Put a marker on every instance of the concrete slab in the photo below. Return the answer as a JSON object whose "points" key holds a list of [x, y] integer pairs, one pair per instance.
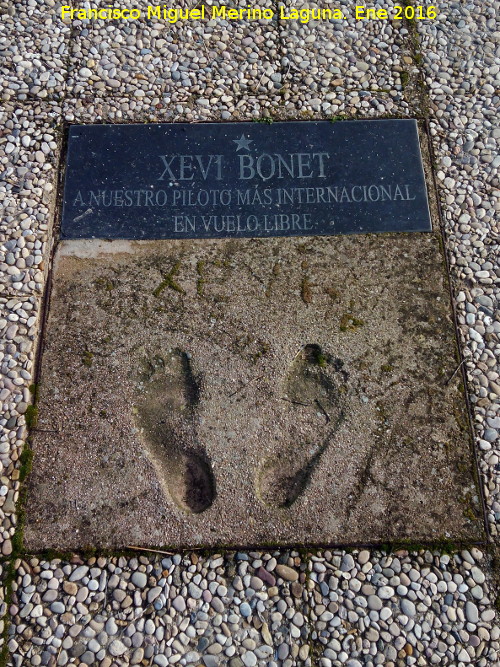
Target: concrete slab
{"points": [[249, 392]]}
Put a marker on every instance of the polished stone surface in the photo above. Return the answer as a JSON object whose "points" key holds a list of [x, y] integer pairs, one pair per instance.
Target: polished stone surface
{"points": [[219, 180]]}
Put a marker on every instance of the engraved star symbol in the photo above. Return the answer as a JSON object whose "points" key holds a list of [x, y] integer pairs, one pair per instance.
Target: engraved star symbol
{"points": [[243, 142]]}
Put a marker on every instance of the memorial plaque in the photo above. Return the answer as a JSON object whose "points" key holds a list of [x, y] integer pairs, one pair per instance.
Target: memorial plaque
{"points": [[249, 391], [174, 181]]}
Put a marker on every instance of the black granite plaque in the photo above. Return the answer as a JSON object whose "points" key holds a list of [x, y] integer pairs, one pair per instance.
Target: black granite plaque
{"points": [[208, 180]]}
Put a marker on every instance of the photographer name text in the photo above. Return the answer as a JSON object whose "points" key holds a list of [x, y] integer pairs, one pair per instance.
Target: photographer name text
{"points": [[225, 13]]}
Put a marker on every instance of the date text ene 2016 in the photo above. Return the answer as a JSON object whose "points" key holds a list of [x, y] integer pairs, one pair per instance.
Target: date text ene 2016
{"points": [[420, 12]]}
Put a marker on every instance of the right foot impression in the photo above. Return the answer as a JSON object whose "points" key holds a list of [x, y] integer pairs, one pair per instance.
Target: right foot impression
{"points": [[313, 381]]}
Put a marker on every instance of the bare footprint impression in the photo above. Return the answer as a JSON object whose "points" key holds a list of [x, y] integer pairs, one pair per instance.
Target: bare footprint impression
{"points": [[315, 381], [169, 394]]}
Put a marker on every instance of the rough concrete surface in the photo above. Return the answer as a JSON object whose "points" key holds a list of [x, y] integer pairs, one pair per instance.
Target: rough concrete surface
{"points": [[250, 392]]}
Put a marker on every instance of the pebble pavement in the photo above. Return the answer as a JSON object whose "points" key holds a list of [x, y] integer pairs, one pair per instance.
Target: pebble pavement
{"points": [[463, 116], [283, 608], [253, 608]]}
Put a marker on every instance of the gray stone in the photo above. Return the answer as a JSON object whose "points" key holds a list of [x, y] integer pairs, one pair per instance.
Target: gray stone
{"points": [[111, 627], [139, 579], [249, 659], [374, 602], [179, 604], [471, 612], [161, 660], [347, 563], [194, 591], [210, 660], [286, 573], [408, 608], [245, 609], [79, 573], [57, 607], [117, 648]]}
